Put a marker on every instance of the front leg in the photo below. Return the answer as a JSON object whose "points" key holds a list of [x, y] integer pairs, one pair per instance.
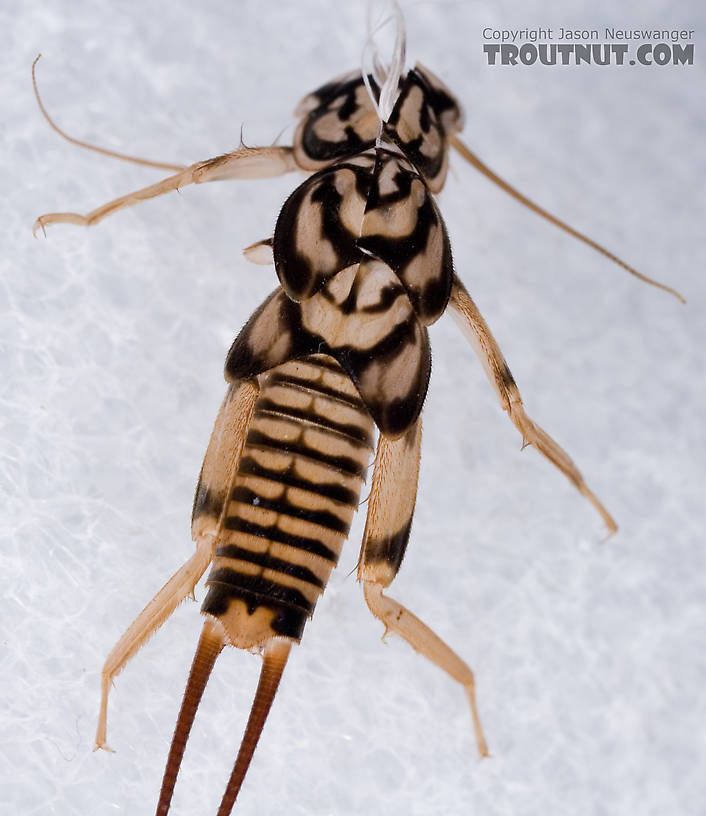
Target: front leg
{"points": [[243, 163]]}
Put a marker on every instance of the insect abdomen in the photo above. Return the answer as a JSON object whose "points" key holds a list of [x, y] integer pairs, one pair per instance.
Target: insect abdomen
{"points": [[289, 511]]}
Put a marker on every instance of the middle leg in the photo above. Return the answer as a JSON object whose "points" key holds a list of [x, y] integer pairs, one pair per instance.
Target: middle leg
{"points": [[473, 325]]}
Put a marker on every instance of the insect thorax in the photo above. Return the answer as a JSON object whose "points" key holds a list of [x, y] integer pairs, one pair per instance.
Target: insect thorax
{"points": [[360, 248]]}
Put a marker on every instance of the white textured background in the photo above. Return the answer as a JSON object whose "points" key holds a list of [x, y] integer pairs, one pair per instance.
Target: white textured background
{"points": [[589, 655]]}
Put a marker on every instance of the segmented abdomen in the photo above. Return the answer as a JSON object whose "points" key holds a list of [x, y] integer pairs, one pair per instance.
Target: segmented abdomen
{"points": [[297, 487]]}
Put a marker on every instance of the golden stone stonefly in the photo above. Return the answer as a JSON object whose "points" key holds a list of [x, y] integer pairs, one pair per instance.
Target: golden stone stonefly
{"points": [[338, 353]]}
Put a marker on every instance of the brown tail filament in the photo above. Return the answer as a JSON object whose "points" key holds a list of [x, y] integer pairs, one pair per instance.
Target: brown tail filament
{"points": [[274, 660], [210, 644]]}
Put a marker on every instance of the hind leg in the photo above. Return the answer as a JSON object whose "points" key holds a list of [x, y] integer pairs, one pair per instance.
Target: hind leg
{"points": [[156, 612], [387, 528], [217, 473]]}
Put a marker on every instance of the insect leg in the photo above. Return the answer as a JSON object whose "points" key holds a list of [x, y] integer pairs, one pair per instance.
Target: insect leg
{"points": [[218, 470], [473, 325], [243, 163], [156, 612], [390, 509]]}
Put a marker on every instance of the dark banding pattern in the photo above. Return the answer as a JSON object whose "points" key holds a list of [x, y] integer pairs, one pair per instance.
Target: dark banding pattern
{"points": [[348, 242], [317, 230], [342, 464], [443, 102], [317, 388], [348, 430], [389, 550], [416, 129], [424, 117], [339, 120], [507, 378], [293, 497], [290, 477], [275, 533], [288, 619], [347, 213], [403, 227], [385, 353], [283, 507], [207, 502], [263, 559], [257, 588]]}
